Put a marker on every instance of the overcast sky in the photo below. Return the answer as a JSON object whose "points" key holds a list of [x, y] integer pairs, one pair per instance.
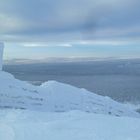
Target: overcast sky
{"points": [[70, 28]]}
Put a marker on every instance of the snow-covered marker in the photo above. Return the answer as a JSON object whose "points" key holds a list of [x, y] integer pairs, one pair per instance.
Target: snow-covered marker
{"points": [[1, 54]]}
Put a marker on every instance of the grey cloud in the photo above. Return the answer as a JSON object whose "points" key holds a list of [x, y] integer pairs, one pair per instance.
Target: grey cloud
{"points": [[69, 20]]}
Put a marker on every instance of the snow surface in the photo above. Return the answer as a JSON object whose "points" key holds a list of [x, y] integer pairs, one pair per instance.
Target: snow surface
{"points": [[53, 96], [57, 111], [73, 125]]}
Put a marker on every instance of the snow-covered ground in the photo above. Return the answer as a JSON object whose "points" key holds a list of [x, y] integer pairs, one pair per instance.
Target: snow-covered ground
{"points": [[73, 125], [57, 111]]}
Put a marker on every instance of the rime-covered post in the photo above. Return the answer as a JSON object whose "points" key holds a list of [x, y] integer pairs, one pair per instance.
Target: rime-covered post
{"points": [[1, 54]]}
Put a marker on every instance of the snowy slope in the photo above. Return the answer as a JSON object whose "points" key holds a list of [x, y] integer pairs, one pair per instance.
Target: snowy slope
{"points": [[53, 96], [57, 111], [74, 125]]}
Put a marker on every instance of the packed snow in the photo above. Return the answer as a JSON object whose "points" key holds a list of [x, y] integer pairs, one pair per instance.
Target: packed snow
{"points": [[73, 125]]}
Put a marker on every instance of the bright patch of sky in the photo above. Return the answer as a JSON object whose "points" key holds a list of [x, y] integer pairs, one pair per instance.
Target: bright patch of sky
{"points": [[20, 51]]}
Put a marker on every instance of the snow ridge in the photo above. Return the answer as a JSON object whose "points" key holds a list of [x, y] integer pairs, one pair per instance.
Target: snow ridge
{"points": [[53, 96]]}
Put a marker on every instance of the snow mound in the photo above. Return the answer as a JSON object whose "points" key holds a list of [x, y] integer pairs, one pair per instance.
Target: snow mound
{"points": [[53, 96]]}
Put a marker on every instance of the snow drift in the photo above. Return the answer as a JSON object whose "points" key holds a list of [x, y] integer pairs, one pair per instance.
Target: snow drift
{"points": [[57, 111], [53, 96]]}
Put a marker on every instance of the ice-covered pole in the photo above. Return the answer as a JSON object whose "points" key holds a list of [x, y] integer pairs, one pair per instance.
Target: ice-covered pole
{"points": [[1, 54]]}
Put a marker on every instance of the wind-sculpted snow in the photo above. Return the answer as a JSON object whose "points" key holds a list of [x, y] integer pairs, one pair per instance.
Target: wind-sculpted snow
{"points": [[53, 96]]}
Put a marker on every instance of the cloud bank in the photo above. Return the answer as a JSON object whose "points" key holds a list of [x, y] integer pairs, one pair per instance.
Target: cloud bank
{"points": [[69, 20]]}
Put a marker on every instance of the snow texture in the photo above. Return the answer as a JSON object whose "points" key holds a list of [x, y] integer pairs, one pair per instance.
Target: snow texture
{"points": [[73, 125], [53, 96], [57, 111]]}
